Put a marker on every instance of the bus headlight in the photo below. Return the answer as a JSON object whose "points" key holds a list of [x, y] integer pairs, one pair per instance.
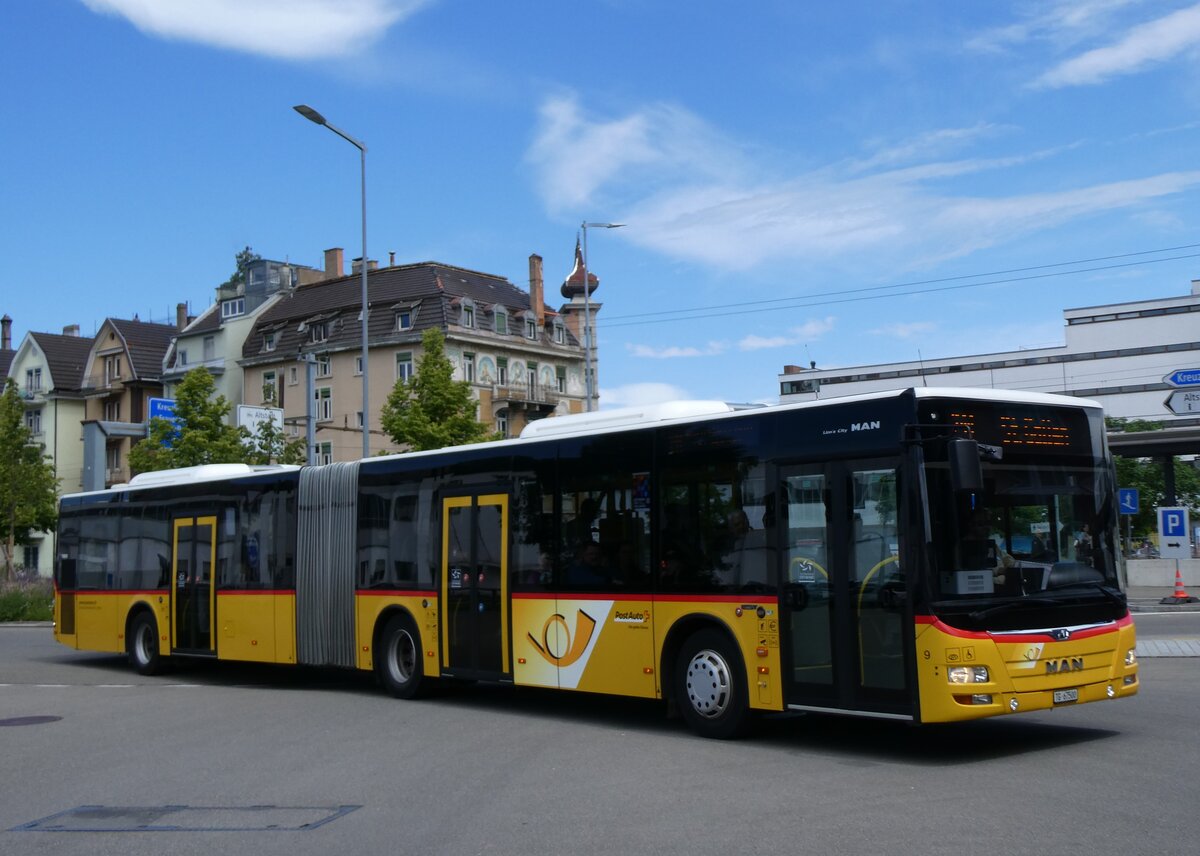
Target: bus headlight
{"points": [[967, 674], [1130, 658]]}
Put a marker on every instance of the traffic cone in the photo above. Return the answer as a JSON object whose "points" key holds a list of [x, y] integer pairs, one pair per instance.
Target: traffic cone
{"points": [[1179, 595]]}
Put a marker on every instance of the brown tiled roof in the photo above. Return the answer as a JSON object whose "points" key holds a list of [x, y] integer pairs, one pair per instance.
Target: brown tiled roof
{"points": [[210, 319], [66, 357], [428, 288], [147, 344], [6, 358]]}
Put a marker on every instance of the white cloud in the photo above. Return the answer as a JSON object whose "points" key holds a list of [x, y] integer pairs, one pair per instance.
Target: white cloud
{"points": [[901, 330], [706, 207], [806, 332], [1154, 41], [1063, 22], [674, 351], [575, 155], [638, 394], [282, 29]]}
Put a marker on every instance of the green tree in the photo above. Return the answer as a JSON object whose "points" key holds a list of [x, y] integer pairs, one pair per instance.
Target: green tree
{"points": [[270, 445], [431, 410], [201, 434], [28, 488], [241, 260], [1146, 475]]}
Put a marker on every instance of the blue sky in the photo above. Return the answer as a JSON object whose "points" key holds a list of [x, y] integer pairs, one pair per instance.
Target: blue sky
{"points": [[778, 165]]}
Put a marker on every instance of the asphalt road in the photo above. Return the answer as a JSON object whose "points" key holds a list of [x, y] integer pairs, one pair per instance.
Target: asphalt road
{"points": [[498, 770]]}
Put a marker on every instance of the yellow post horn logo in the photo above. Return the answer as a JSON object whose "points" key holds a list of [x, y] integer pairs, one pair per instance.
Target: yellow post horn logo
{"points": [[585, 626]]}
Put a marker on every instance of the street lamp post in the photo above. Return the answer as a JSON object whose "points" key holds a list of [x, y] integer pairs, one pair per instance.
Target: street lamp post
{"points": [[589, 374], [313, 116]]}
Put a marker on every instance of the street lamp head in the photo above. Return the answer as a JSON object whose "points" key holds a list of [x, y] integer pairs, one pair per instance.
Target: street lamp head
{"points": [[310, 114], [600, 225]]}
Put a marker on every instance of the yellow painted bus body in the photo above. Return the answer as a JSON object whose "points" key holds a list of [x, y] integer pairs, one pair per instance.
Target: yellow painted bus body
{"points": [[1025, 669]]}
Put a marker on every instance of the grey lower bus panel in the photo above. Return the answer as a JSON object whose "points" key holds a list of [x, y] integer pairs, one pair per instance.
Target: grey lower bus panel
{"points": [[327, 529]]}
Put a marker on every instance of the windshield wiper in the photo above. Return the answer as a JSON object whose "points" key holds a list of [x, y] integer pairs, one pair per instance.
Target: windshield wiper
{"points": [[980, 614], [1115, 596]]}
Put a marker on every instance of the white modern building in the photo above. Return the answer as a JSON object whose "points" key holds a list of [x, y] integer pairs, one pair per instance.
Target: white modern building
{"points": [[1120, 355]]}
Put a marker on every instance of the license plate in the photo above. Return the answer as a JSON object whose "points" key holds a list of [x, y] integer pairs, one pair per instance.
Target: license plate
{"points": [[1064, 696]]}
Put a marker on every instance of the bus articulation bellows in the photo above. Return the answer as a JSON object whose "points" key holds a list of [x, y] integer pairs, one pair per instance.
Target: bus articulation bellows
{"points": [[924, 555]]}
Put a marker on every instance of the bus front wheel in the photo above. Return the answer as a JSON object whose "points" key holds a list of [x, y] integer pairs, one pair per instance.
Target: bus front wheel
{"points": [[398, 659], [710, 685], [142, 644]]}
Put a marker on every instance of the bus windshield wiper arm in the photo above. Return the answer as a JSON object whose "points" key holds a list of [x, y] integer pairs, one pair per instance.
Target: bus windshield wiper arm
{"points": [[1115, 596], [1012, 604]]}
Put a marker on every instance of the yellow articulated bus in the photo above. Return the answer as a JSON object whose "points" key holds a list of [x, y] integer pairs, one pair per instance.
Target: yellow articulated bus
{"points": [[921, 555]]}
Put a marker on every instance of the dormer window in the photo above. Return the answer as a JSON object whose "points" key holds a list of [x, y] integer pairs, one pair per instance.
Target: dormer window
{"points": [[500, 321], [530, 329], [233, 308], [318, 331], [404, 319], [269, 341], [560, 334], [468, 315]]}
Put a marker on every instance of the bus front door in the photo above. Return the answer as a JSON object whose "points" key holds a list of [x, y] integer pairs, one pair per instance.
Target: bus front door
{"points": [[475, 616], [844, 600], [193, 595]]}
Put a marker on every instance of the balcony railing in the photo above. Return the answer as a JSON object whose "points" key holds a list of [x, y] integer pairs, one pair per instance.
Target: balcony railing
{"points": [[522, 392], [103, 380]]}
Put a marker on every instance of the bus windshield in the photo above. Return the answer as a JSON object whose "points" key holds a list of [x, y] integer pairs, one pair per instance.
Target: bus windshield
{"points": [[1039, 534]]}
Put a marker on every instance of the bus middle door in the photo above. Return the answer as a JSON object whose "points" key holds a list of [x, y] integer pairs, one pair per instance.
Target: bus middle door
{"points": [[474, 595], [193, 593]]}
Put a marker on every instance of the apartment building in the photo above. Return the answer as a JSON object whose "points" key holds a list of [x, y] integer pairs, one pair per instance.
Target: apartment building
{"points": [[524, 361], [123, 371], [215, 339], [48, 370]]}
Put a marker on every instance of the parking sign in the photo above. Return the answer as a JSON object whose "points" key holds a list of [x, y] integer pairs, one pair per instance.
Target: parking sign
{"points": [[1173, 531]]}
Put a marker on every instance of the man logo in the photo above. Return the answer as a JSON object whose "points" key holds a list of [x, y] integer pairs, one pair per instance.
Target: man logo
{"points": [[559, 648], [1055, 667], [865, 426]]}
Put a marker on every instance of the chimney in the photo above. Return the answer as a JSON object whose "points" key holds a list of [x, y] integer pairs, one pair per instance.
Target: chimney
{"points": [[71, 330], [6, 333], [536, 301], [391, 258], [335, 266], [181, 316], [356, 266]]}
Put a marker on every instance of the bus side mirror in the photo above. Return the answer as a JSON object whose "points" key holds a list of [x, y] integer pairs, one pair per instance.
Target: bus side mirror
{"points": [[966, 473]]}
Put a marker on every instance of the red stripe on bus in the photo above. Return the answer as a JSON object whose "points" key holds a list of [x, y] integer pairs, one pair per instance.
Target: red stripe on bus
{"points": [[396, 593], [1018, 636], [696, 598], [226, 592], [90, 592]]}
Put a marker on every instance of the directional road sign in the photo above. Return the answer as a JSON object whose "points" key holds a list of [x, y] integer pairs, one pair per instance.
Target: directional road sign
{"points": [[1184, 401], [1183, 377], [1127, 500], [1173, 533]]}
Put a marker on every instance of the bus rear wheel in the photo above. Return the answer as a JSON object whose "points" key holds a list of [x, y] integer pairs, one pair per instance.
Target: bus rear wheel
{"points": [[398, 659], [710, 685], [142, 645]]}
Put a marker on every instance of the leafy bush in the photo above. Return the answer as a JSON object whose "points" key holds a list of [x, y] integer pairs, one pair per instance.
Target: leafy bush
{"points": [[27, 601]]}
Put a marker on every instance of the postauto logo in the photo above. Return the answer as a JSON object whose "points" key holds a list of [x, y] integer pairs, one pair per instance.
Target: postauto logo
{"points": [[564, 648]]}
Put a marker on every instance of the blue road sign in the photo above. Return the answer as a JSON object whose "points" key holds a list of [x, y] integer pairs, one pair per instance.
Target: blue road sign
{"points": [[1172, 522], [162, 408], [1183, 377], [1173, 541], [1127, 500]]}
